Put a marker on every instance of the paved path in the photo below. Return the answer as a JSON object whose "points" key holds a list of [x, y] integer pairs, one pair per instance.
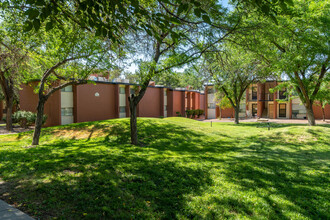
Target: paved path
{"points": [[7, 212], [289, 121]]}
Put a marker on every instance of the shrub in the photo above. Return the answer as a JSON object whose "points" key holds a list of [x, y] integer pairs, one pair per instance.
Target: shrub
{"points": [[188, 113], [26, 119], [199, 112], [178, 114], [193, 113]]}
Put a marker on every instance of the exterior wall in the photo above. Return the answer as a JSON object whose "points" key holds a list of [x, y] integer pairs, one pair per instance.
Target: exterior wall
{"points": [[202, 102], [162, 102], [149, 105], [89, 107], [178, 103], [93, 108], [170, 103], [211, 110], [127, 94], [227, 113], [29, 102], [318, 111]]}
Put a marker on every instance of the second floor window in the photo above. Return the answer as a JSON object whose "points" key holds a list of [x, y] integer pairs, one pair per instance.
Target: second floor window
{"points": [[210, 91], [282, 94], [254, 93]]}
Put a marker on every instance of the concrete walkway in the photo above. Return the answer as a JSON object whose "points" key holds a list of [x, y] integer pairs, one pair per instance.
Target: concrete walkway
{"points": [[289, 121], [7, 212]]}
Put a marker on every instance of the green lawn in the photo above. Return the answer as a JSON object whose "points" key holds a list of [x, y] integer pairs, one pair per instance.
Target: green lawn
{"points": [[184, 169]]}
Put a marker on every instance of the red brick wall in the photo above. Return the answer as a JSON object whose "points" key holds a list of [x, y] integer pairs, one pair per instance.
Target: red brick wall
{"points": [[178, 102], [202, 102], [227, 113], [92, 108], [29, 102], [318, 111], [149, 105]]}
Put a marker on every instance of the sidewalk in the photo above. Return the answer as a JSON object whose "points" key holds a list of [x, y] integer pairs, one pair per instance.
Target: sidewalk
{"points": [[289, 121], [7, 212]]}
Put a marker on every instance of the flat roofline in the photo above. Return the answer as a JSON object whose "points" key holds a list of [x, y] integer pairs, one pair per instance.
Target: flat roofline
{"points": [[133, 84]]}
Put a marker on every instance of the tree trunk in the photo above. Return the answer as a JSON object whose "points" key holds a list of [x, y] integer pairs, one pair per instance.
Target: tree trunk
{"points": [[220, 111], [133, 122], [38, 123], [310, 114], [323, 113], [237, 114], [9, 113]]}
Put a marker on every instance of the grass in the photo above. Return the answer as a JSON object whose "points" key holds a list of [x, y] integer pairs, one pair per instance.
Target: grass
{"points": [[184, 169]]}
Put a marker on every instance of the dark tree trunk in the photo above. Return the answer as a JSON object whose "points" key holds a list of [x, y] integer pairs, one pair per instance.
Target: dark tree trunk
{"points": [[323, 113], [310, 114], [38, 123], [133, 122], [9, 113], [237, 114]]}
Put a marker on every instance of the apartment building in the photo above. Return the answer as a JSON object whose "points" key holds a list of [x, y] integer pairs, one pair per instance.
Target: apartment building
{"points": [[260, 102], [107, 100]]}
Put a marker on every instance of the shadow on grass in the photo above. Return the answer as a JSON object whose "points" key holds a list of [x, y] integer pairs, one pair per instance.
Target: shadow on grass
{"points": [[107, 177], [273, 125], [74, 184], [291, 179]]}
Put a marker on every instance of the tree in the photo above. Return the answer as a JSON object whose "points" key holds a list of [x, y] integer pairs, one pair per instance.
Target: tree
{"points": [[233, 71], [113, 20], [297, 46], [323, 96], [65, 57], [14, 47], [222, 101], [186, 40]]}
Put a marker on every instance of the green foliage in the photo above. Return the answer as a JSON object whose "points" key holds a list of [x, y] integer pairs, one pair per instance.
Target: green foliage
{"points": [[222, 100], [233, 70], [188, 113], [297, 47], [323, 96], [26, 118], [199, 112], [193, 113], [186, 169]]}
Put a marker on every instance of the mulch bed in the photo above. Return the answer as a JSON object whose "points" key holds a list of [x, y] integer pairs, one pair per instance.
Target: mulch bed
{"points": [[16, 129]]}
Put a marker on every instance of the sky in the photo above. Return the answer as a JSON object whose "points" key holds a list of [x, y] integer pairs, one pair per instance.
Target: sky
{"points": [[133, 67]]}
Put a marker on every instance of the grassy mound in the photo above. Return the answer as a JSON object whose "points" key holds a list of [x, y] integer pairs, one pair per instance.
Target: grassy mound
{"points": [[183, 169]]}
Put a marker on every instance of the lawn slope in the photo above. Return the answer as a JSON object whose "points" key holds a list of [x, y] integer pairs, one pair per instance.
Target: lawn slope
{"points": [[183, 169]]}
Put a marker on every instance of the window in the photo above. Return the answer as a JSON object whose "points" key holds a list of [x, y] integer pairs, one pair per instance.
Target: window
{"points": [[165, 93], [282, 110], [242, 108], [210, 91], [165, 107], [282, 94], [67, 89], [122, 109], [121, 90], [66, 111], [254, 93], [211, 105]]}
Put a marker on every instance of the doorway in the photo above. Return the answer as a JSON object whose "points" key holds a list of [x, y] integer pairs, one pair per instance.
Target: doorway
{"points": [[282, 110], [254, 109], [271, 110]]}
